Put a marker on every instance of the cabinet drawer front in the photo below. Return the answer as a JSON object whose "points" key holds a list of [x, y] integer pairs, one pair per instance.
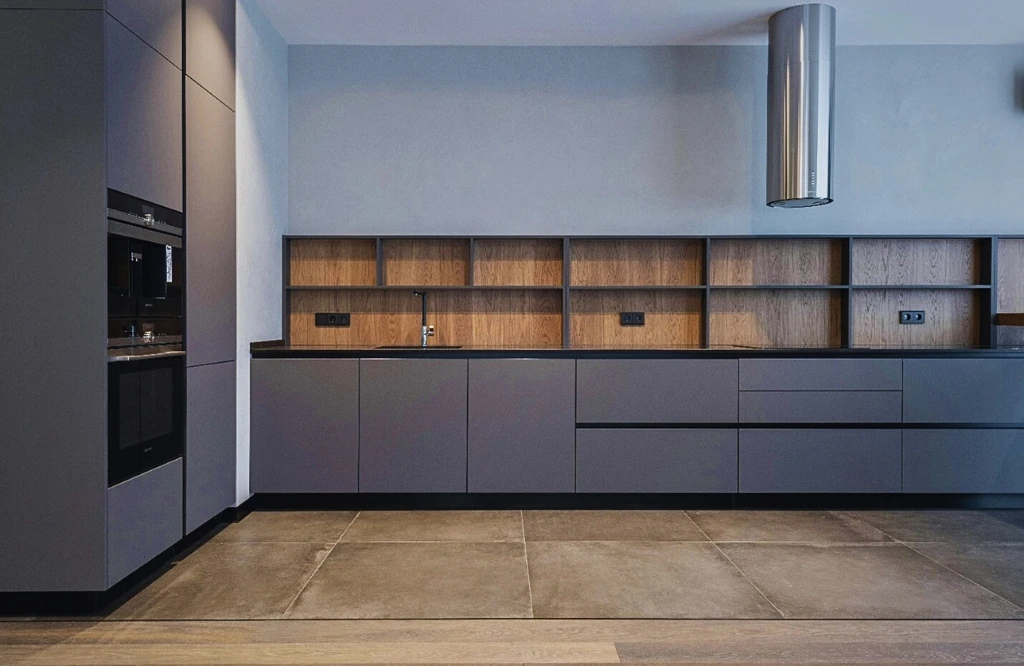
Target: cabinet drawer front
{"points": [[656, 391], [819, 461], [963, 461], [626, 460], [821, 374], [144, 517], [963, 391], [820, 406]]}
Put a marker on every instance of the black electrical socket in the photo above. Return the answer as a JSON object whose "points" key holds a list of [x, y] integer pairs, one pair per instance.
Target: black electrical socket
{"points": [[333, 319], [631, 318], [911, 316]]}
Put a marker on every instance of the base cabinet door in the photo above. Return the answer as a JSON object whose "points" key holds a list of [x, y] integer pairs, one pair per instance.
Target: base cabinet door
{"points": [[963, 461], [819, 461], [963, 390], [209, 442], [670, 460], [412, 425], [143, 519], [522, 425], [304, 422]]}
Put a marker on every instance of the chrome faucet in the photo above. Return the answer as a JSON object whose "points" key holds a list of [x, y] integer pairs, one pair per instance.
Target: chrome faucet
{"points": [[425, 331]]}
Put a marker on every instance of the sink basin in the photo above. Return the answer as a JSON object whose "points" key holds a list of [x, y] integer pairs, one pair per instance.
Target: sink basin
{"points": [[419, 347]]}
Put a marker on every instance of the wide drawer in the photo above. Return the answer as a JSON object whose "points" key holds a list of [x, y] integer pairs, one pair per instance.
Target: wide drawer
{"points": [[656, 391], [144, 518], [963, 391], [819, 461], [820, 407], [963, 461], [821, 374], [671, 460]]}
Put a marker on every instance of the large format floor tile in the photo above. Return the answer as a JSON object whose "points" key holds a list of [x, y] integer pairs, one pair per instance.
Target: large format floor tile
{"points": [[308, 526], [478, 526], [806, 526], [877, 581], [229, 581], [419, 580], [639, 580], [610, 526], [948, 526], [999, 567]]}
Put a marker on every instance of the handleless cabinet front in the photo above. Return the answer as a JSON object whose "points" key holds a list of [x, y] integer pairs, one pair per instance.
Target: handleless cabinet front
{"points": [[144, 127], [209, 442], [157, 22], [963, 391], [412, 425], [210, 46], [305, 425]]}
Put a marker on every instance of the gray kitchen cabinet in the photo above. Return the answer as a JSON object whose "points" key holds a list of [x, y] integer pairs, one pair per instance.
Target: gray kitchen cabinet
{"points": [[412, 425], [210, 46], [209, 442], [157, 22], [656, 391], [522, 425], [820, 406], [144, 128], [963, 461], [821, 374], [819, 461], [144, 519], [963, 391], [304, 420], [669, 460], [210, 228]]}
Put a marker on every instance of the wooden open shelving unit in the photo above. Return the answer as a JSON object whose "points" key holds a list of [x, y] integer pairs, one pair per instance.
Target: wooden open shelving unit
{"points": [[699, 292]]}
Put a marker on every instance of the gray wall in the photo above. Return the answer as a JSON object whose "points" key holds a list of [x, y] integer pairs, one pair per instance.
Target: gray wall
{"points": [[641, 140]]}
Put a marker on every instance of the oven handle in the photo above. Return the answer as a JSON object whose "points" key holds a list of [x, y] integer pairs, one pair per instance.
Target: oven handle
{"points": [[144, 357]]}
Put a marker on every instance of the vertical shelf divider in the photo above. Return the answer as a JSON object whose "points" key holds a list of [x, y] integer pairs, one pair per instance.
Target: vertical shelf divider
{"points": [[286, 279], [472, 262], [380, 261], [847, 279], [989, 334], [705, 317], [566, 306]]}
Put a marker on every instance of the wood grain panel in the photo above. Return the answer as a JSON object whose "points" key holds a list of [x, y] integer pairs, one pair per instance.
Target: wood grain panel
{"points": [[776, 318], [951, 318], [424, 261], [1011, 275], [518, 262], [796, 261], [672, 319], [505, 318], [614, 263], [332, 262], [916, 261]]}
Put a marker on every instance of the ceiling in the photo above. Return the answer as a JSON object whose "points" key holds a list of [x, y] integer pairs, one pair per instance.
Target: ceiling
{"points": [[632, 22]]}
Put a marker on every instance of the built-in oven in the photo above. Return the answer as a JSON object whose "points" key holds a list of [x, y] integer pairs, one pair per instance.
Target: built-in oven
{"points": [[145, 274]]}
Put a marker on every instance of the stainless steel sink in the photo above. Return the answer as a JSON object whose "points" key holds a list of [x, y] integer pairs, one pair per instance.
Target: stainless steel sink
{"points": [[419, 347]]}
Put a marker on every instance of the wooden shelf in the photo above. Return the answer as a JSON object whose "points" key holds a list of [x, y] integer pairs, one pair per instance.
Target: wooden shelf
{"points": [[778, 287], [517, 262], [803, 261], [632, 262], [338, 261], [776, 318], [628, 287], [952, 317], [936, 262], [421, 287], [1011, 275], [673, 318], [928, 287], [426, 262]]}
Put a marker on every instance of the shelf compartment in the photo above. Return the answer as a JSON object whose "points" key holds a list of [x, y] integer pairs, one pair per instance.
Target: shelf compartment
{"points": [[672, 318], [936, 262], [776, 262], [776, 318], [952, 317], [636, 263], [517, 262], [426, 261], [500, 318], [1011, 274], [321, 261]]}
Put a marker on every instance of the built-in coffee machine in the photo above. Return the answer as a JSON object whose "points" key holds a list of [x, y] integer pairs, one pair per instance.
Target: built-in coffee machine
{"points": [[145, 328]]}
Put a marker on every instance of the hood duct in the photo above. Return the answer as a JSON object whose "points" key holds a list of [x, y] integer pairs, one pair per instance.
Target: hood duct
{"points": [[801, 73]]}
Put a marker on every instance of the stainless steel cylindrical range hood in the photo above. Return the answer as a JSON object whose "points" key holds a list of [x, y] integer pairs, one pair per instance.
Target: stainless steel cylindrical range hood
{"points": [[801, 73]]}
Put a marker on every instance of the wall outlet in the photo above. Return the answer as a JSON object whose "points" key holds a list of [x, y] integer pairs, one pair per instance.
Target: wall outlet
{"points": [[333, 319], [631, 318], [911, 316]]}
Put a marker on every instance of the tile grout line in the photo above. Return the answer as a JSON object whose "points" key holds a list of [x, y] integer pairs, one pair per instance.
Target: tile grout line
{"points": [[526, 556], [320, 564], [735, 566]]}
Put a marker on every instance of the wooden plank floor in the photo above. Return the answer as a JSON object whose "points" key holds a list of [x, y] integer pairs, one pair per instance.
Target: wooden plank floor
{"points": [[511, 642]]}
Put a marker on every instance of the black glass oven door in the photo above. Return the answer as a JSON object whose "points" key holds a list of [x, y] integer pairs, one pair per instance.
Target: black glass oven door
{"points": [[124, 427]]}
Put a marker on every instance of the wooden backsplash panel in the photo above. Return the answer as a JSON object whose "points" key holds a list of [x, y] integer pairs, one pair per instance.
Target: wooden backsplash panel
{"points": [[519, 262], [777, 318], [332, 263], [672, 318], [1011, 275], [951, 318], [442, 262], [916, 261], [615, 263], [776, 262], [384, 317]]}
